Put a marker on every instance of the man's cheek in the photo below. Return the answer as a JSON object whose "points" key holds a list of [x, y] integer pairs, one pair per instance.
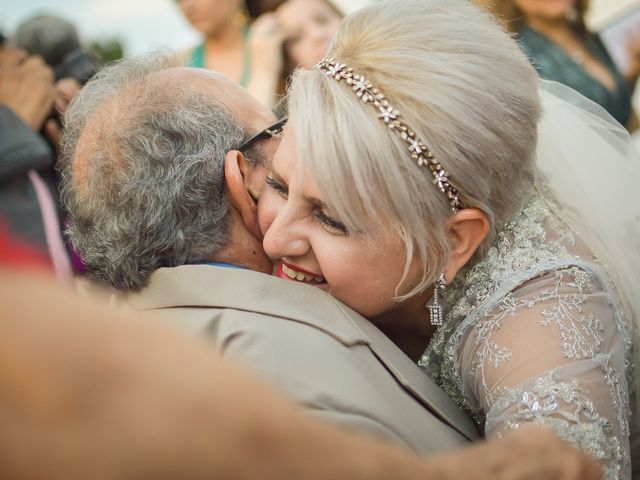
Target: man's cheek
{"points": [[266, 211]]}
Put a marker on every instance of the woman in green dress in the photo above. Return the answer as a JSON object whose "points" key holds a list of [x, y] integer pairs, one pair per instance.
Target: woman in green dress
{"points": [[236, 45], [560, 46]]}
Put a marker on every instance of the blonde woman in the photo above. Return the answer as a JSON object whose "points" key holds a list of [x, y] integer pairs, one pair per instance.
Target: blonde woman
{"points": [[406, 186]]}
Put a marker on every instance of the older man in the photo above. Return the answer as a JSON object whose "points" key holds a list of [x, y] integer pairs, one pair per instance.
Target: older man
{"points": [[162, 186]]}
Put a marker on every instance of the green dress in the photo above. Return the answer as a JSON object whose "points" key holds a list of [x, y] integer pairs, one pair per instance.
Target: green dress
{"points": [[553, 63], [197, 60]]}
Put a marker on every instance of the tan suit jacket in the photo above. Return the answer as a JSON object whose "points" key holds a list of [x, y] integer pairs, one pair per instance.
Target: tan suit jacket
{"points": [[326, 357]]}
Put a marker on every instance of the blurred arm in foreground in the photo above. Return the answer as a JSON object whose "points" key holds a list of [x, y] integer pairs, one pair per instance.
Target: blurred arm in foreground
{"points": [[91, 393]]}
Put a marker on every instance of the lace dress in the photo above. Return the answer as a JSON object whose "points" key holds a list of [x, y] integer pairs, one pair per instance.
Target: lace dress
{"points": [[534, 334]]}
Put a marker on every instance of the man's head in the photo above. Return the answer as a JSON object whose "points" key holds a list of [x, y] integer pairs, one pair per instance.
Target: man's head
{"points": [[151, 174]]}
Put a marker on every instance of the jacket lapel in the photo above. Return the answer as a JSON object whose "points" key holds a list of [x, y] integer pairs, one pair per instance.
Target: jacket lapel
{"points": [[415, 381], [238, 289]]}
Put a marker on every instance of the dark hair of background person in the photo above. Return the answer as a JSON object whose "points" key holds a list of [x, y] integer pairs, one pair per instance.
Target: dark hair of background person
{"points": [[255, 8]]}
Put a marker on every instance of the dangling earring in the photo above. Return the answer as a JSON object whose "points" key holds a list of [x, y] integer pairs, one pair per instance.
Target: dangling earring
{"points": [[433, 305]]}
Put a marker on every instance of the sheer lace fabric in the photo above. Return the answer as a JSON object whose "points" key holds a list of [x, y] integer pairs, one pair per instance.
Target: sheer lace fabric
{"points": [[534, 334]]}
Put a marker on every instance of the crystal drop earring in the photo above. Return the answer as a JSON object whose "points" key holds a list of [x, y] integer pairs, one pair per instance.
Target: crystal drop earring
{"points": [[433, 305]]}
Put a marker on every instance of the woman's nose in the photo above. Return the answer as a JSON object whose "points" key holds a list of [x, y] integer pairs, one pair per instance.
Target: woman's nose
{"points": [[285, 236]]}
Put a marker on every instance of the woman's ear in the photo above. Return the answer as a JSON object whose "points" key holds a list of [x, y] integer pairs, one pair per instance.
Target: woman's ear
{"points": [[466, 231], [236, 175]]}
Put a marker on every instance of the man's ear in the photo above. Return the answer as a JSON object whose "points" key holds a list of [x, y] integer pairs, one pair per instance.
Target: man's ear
{"points": [[236, 175], [466, 231]]}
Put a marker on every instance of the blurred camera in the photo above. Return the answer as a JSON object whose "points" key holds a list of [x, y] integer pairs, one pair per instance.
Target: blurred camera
{"points": [[56, 41], [78, 64]]}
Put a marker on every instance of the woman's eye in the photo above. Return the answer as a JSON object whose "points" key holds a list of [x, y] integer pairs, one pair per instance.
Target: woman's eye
{"points": [[330, 224], [281, 189]]}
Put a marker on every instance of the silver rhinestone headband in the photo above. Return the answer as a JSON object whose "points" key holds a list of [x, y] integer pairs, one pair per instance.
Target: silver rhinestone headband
{"points": [[391, 116]]}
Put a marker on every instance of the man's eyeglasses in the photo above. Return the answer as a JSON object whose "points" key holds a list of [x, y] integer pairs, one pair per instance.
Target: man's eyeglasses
{"points": [[274, 130]]}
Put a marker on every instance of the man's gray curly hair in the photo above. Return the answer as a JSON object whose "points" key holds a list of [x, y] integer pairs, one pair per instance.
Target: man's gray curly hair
{"points": [[143, 179]]}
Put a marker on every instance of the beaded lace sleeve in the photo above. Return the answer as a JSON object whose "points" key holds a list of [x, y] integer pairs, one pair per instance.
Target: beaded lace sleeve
{"points": [[551, 352]]}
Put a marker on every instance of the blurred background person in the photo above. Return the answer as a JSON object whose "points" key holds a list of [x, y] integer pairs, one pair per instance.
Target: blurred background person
{"points": [[56, 40], [49, 52], [561, 47], [29, 202], [309, 26], [236, 47], [260, 42], [304, 29]]}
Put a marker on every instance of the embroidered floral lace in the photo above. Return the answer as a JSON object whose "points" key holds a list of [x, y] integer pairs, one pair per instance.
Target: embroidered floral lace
{"points": [[534, 334]]}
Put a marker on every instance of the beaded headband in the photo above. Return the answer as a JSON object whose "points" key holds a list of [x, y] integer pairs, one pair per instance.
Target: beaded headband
{"points": [[420, 153]]}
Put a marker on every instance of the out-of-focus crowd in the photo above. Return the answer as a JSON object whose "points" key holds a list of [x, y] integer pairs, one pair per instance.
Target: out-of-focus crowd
{"points": [[258, 43]]}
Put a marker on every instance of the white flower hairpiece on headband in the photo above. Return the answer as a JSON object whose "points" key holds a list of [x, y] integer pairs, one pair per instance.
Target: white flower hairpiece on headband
{"points": [[420, 153]]}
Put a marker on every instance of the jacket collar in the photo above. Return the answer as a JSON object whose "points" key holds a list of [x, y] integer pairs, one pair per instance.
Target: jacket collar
{"points": [[218, 287]]}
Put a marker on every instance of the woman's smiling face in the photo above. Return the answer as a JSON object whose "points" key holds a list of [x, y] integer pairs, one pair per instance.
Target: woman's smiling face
{"points": [[309, 244]]}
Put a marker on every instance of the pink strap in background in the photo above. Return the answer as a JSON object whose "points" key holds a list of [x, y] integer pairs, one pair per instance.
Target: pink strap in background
{"points": [[57, 251]]}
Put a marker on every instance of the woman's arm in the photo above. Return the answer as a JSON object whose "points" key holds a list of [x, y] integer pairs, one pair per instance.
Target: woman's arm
{"points": [[94, 393], [552, 353], [265, 43]]}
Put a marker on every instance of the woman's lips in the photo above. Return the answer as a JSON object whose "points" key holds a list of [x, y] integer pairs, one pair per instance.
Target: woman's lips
{"points": [[289, 272]]}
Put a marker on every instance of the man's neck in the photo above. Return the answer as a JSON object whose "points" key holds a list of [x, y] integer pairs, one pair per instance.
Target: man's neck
{"points": [[229, 258], [243, 250]]}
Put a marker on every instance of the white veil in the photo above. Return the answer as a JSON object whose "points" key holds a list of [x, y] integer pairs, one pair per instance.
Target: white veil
{"points": [[592, 168]]}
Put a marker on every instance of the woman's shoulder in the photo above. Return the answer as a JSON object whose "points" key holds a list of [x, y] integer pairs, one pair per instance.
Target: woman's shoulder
{"points": [[530, 253]]}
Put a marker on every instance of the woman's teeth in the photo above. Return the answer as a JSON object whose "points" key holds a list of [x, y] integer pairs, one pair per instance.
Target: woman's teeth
{"points": [[301, 276]]}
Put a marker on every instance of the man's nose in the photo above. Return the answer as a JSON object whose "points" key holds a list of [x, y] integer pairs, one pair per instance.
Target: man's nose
{"points": [[286, 236]]}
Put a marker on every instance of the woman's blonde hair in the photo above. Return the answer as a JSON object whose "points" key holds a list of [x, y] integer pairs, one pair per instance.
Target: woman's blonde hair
{"points": [[511, 16], [466, 89]]}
